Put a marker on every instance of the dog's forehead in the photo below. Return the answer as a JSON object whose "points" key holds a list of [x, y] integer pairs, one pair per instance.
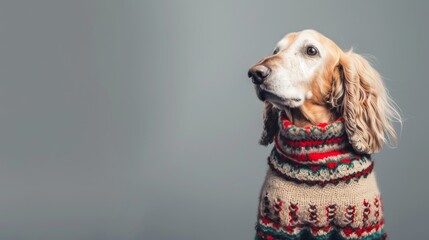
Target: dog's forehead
{"points": [[300, 37], [286, 40]]}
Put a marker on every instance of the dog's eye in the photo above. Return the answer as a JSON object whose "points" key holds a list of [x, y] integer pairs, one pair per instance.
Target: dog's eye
{"points": [[311, 51], [276, 51]]}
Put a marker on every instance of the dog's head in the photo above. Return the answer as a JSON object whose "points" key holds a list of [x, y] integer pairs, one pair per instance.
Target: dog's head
{"points": [[306, 68]]}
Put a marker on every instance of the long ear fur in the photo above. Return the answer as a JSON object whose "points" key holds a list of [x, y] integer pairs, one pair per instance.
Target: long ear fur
{"points": [[271, 127], [360, 96]]}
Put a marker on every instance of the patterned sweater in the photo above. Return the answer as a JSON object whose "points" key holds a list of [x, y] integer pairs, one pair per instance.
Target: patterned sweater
{"points": [[318, 187]]}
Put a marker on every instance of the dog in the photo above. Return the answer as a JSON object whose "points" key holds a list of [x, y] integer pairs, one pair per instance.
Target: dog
{"points": [[326, 111]]}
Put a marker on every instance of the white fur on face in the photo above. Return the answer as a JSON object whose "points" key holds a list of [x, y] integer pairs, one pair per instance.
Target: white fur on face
{"points": [[290, 77]]}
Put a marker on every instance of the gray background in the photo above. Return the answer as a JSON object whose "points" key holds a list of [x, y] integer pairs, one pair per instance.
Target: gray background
{"points": [[136, 120]]}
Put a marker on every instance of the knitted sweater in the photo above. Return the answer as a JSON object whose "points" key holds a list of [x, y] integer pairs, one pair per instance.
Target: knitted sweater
{"points": [[318, 187]]}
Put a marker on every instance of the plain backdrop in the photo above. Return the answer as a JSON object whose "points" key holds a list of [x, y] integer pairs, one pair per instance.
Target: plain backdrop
{"points": [[136, 120]]}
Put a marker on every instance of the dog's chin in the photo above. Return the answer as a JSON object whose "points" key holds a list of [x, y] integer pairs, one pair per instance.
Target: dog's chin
{"points": [[278, 101]]}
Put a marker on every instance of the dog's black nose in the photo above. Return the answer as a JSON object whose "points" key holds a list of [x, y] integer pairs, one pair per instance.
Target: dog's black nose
{"points": [[259, 73]]}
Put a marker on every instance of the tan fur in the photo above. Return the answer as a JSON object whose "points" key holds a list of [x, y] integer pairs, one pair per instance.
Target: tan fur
{"points": [[366, 107]]}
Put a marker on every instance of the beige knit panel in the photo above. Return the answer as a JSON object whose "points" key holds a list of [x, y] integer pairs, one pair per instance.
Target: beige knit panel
{"points": [[356, 204]]}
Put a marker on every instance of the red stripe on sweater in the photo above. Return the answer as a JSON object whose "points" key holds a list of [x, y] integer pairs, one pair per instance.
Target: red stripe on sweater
{"points": [[309, 143], [309, 157], [317, 156], [315, 167]]}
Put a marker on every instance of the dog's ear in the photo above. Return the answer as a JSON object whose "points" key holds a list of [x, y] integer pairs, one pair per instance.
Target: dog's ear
{"points": [[271, 126], [360, 97]]}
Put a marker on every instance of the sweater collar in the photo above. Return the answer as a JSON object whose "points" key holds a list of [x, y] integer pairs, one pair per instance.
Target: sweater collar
{"points": [[321, 143], [320, 131], [317, 155]]}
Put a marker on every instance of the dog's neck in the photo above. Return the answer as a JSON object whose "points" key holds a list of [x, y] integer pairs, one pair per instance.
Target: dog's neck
{"points": [[310, 114]]}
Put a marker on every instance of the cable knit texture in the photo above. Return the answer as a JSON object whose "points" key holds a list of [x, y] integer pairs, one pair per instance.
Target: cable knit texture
{"points": [[318, 187]]}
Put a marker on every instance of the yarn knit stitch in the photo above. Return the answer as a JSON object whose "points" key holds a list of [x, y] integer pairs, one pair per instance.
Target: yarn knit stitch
{"points": [[318, 187]]}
